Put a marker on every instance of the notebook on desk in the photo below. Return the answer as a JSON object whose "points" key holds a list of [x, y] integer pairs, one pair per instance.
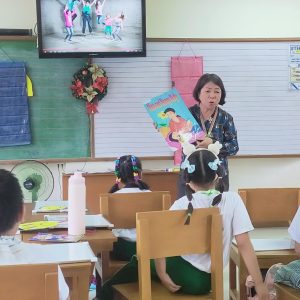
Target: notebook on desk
{"points": [[271, 244], [92, 221]]}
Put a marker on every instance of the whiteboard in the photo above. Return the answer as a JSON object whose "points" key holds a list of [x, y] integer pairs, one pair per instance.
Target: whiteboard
{"points": [[256, 79]]}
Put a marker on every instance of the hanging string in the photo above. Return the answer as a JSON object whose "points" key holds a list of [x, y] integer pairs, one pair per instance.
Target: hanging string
{"points": [[190, 47]]}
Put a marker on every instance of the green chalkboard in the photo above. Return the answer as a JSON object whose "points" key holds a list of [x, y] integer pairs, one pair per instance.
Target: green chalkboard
{"points": [[60, 127]]}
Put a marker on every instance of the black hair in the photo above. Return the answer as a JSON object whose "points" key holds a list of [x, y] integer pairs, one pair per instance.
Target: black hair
{"points": [[206, 78], [11, 201], [128, 170], [203, 175], [169, 109]]}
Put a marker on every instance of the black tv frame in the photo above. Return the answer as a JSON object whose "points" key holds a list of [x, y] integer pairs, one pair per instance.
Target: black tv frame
{"points": [[88, 54]]}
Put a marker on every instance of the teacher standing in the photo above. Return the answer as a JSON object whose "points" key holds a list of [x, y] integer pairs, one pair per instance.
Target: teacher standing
{"points": [[217, 124]]}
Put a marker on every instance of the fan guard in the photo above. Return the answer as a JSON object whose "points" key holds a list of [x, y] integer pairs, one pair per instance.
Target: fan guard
{"points": [[36, 180]]}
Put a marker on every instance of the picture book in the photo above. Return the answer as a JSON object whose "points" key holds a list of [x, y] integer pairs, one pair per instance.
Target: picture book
{"points": [[37, 225], [173, 119], [55, 238]]}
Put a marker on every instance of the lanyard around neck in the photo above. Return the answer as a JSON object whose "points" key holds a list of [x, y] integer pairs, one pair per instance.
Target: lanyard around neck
{"points": [[213, 121]]}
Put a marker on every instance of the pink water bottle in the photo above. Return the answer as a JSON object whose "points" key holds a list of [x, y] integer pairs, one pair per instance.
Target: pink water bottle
{"points": [[77, 204]]}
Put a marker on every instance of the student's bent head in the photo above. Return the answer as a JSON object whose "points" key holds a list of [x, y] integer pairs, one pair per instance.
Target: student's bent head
{"points": [[126, 167], [206, 78], [128, 171], [11, 201]]}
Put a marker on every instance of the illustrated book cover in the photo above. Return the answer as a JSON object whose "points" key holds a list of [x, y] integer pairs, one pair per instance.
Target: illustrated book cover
{"points": [[55, 238], [173, 119]]}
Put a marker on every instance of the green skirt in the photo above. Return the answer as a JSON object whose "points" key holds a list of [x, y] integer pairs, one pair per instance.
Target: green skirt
{"points": [[123, 250], [192, 280]]}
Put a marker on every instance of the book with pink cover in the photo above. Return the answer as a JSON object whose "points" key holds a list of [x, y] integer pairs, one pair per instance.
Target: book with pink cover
{"points": [[55, 238], [173, 119]]}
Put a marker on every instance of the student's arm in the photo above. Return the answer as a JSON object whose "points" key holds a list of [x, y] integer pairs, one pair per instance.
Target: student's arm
{"points": [[93, 2], [247, 252], [160, 266]]}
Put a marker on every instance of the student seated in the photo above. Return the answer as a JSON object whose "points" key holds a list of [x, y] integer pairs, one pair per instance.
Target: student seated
{"points": [[128, 171], [12, 250], [190, 274], [287, 274]]}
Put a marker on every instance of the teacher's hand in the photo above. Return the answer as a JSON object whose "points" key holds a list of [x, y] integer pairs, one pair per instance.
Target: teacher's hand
{"points": [[204, 143]]}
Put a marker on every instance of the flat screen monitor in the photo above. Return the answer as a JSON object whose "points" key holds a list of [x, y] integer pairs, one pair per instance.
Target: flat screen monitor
{"points": [[91, 28]]}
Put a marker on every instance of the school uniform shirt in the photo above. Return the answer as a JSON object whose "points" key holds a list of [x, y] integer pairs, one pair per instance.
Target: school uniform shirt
{"points": [[294, 229], [13, 251], [235, 221], [127, 234]]}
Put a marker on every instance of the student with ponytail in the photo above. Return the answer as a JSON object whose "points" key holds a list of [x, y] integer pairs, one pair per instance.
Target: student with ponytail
{"points": [[190, 274], [128, 171], [201, 168]]}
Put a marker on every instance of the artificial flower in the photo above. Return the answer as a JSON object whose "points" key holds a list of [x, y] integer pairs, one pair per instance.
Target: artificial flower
{"points": [[90, 84]]}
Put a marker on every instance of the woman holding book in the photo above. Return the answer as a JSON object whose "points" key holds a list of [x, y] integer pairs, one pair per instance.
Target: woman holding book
{"points": [[217, 124]]}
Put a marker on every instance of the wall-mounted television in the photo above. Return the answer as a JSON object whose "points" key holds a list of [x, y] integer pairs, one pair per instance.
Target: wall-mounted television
{"points": [[91, 28]]}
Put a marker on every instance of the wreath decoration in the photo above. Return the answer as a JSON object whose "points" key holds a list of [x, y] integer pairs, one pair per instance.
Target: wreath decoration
{"points": [[90, 84]]}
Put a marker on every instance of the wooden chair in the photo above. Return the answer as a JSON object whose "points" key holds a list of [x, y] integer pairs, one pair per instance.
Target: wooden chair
{"points": [[29, 282], [285, 292], [120, 209], [271, 207], [163, 234]]}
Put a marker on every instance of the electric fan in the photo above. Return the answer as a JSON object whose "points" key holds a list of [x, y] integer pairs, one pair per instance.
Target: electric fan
{"points": [[36, 180]]}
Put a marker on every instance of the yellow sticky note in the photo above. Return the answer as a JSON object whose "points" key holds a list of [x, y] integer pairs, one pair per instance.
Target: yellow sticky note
{"points": [[29, 86], [38, 225]]}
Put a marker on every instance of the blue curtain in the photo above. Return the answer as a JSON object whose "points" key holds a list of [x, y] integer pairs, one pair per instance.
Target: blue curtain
{"points": [[14, 113]]}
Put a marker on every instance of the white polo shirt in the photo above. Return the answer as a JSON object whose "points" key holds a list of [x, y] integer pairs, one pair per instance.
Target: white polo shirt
{"points": [[235, 221]]}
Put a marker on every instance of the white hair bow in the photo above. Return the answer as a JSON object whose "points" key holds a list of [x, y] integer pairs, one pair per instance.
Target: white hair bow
{"points": [[188, 148]]}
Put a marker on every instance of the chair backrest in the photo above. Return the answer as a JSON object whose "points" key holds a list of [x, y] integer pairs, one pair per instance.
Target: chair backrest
{"points": [[29, 282], [163, 234], [121, 208], [271, 207]]}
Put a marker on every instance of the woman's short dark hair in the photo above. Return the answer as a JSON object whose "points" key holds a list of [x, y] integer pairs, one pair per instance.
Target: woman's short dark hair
{"points": [[206, 78], [11, 201]]}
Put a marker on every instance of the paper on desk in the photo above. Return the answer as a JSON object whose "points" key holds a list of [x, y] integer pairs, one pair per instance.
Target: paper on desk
{"points": [[50, 253], [96, 221], [271, 244], [51, 206]]}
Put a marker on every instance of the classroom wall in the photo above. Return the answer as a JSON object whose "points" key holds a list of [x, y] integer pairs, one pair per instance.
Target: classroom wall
{"points": [[195, 18], [212, 19]]}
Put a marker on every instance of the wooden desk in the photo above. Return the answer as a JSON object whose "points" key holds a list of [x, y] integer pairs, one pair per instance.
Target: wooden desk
{"points": [[77, 274], [238, 271], [285, 292], [97, 183]]}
